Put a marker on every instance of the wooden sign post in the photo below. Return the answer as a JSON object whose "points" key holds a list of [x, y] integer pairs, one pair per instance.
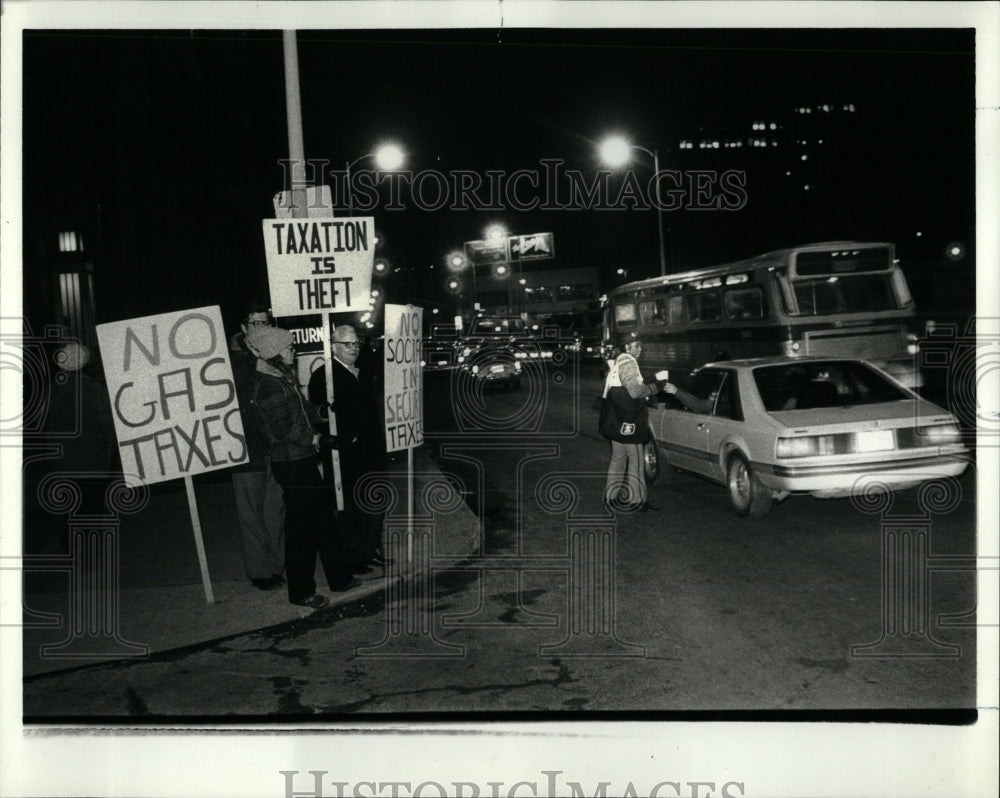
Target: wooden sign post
{"points": [[404, 393], [174, 402], [320, 265]]}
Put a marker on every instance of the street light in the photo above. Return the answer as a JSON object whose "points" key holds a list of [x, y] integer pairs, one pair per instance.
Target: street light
{"points": [[496, 232], [615, 151], [388, 157]]}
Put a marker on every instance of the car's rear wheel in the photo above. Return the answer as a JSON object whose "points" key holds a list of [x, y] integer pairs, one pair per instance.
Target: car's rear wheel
{"points": [[748, 497], [650, 461]]}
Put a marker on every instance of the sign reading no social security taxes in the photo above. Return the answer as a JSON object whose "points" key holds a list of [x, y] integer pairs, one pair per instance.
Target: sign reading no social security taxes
{"points": [[403, 377], [172, 395], [319, 265]]}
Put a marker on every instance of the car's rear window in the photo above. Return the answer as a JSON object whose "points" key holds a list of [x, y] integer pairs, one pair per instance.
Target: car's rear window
{"points": [[804, 386]]}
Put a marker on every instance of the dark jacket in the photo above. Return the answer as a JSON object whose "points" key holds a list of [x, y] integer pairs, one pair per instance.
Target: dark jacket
{"points": [[356, 402], [244, 369], [286, 419]]}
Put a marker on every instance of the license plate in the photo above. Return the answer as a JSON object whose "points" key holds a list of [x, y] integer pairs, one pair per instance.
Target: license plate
{"points": [[496, 369], [879, 440]]}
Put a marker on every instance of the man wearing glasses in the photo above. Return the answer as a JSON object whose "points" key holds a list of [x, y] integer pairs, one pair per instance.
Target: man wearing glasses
{"points": [[360, 442]]}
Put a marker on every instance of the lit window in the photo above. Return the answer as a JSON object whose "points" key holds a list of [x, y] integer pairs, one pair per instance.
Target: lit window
{"points": [[70, 242]]}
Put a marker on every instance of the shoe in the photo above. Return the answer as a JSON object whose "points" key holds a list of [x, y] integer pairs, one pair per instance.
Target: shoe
{"points": [[314, 601], [360, 568], [266, 584], [381, 562], [353, 583], [278, 579], [646, 507]]}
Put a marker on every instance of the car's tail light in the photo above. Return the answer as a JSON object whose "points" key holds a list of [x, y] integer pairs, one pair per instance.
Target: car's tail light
{"points": [[813, 445], [938, 434]]}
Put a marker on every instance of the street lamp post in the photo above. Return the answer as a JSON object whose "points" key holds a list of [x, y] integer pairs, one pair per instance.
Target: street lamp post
{"points": [[497, 232], [615, 151]]}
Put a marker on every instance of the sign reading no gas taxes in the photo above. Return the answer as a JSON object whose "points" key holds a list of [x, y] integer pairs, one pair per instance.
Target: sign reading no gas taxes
{"points": [[319, 265], [172, 394]]}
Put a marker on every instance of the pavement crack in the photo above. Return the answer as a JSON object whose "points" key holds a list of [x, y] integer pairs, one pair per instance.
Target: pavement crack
{"points": [[134, 702], [562, 677], [289, 696]]}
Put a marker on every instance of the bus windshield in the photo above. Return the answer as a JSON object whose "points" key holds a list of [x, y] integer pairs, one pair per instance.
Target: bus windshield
{"points": [[844, 293]]}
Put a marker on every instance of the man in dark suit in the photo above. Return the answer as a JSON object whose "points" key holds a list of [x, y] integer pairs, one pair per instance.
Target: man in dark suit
{"points": [[360, 442]]}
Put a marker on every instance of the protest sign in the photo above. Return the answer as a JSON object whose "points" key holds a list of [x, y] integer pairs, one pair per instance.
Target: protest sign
{"points": [[319, 265], [172, 395], [403, 376]]}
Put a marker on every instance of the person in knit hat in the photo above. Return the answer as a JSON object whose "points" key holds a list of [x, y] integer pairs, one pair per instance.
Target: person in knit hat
{"points": [[287, 423]]}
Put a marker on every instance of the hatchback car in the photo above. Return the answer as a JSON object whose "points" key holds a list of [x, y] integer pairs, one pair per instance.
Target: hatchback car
{"points": [[769, 427]]}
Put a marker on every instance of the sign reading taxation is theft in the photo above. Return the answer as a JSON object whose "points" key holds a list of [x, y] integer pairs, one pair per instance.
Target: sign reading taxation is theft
{"points": [[319, 265], [403, 377], [172, 395]]}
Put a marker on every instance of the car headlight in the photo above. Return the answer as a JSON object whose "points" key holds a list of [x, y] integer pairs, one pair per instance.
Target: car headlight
{"points": [[938, 434]]}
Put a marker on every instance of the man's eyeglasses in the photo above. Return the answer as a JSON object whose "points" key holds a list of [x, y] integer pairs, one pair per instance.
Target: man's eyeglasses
{"points": [[349, 344], [258, 324]]}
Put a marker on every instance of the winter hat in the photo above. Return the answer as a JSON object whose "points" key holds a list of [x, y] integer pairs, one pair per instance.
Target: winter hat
{"points": [[267, 342], [72, 357]]}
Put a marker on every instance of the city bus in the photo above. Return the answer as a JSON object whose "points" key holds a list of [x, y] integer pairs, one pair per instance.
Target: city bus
{"points": [[843, 298]]}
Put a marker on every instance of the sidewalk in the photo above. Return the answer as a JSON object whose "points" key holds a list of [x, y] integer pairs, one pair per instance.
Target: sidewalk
{"points": [[161, 601]]}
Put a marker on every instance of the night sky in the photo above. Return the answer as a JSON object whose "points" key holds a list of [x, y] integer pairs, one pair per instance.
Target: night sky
{"points": [[165, 145]]}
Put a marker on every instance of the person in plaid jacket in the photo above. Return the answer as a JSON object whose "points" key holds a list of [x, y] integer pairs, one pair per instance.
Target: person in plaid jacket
{"points": [[287, 422]]}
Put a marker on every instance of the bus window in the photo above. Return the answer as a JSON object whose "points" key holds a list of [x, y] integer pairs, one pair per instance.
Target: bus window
{"points": [[651, 312], [703, 306], [675, 310], [744, 303], [852, 293], [624, 315]]}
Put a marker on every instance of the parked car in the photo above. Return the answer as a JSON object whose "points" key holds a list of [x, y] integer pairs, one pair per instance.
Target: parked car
{"points": [[772, 426]]}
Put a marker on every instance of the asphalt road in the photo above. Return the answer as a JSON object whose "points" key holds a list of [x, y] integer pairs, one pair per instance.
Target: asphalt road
{"points": [[570, 610]]}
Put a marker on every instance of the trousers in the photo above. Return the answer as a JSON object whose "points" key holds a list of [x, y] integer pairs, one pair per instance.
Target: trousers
{"points": [[310, 529], [261, 512], [625, 474]]}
